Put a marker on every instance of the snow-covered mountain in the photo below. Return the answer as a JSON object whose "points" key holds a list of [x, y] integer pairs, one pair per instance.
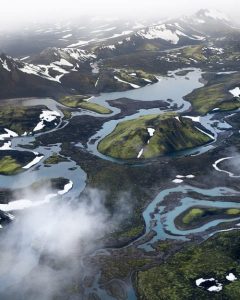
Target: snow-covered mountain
{"points": [[51, 64], [188, 30], [211, 23], [73, 33], [206, 15], [170, 32], [54, 69], [57, 62], [70, 55], [19, 79], [76, 68]]}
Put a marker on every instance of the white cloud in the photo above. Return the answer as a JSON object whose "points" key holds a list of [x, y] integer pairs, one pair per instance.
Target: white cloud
{"points": [[59, 231]]}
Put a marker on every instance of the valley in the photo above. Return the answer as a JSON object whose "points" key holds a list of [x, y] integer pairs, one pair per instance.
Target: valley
{"points": [[138, 136]]}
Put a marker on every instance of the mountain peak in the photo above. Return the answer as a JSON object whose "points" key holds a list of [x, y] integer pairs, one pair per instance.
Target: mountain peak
{"points": [[212, 14]]}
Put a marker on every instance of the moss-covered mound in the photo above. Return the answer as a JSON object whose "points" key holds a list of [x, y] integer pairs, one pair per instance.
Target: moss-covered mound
{"points": [[9, 166], [54, 159], [197, 216], [131, 139], [215, 95], [19, 118], [78, 101], [176, 279], [11, 162]]}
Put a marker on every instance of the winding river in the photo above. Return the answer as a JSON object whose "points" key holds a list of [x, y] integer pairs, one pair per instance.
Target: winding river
{"points": [[173, 87]]}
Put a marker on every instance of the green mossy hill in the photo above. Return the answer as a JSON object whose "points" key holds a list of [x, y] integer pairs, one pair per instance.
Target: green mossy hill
{"points": [[18, 118], [79, 101], [137, 77], [215, 95], [54, 159], [11, 162], [172, 134], [9, 166], [194, 52], [175, 279], [197, 216]]}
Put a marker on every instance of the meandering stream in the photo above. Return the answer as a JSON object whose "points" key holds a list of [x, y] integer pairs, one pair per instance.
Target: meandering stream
{"points": [[173, 87]]}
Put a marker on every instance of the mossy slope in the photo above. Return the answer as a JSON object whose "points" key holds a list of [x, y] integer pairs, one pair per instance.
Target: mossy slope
{"points": [[197, 216], [18, 118], [175, 280], [172, 134], [215, 95], [11, 161], [79, 101], [9, 166]]}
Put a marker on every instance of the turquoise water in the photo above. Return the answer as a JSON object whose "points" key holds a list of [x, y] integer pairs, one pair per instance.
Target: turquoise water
{"points": [[165, 227]]}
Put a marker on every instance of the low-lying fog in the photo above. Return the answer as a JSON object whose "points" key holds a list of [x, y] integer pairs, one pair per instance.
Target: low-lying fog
{"points": [[42, 248], [15, 12]]}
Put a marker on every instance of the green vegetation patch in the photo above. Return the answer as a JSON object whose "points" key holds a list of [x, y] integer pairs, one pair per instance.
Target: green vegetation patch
{"points": [[194, 52], [175, 279], [20, 119], [233, 211], [171, 134], [138, 79], [9, 166], [215, 95], [197, 216], [54, 159], [133, 232], [79, 101], [193, 214], [229, 105]]}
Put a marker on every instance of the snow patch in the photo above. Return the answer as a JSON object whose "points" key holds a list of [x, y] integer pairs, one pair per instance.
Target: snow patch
{"points": [[147, 80], [208, 134], [46, 116], [215, 287], [24, 203], [63, 62], [231, 277], [160, 32], [235, 92], [66, 188], [140, 153], [6, 146], [111, 47], [135, 86], [96, 83], [80, 43], [35, 161], [9, 133], [24, 58], [5, 66], [190, 176], [177, 180], [151, 131], [194, 119]]}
